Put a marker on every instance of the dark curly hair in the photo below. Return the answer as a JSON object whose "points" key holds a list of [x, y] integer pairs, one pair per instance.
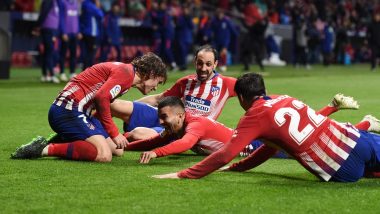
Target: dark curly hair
{"points": [[150, 65], [171, 101], [250, 85]]}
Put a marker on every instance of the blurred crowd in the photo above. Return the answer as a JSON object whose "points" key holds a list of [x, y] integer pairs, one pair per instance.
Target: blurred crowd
{"points": [[340, 31]]}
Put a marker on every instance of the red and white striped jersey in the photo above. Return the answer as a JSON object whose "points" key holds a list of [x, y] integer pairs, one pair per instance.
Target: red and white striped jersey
{"points": [[321, 145], [205, 99], [100, 85], [202, 135]]}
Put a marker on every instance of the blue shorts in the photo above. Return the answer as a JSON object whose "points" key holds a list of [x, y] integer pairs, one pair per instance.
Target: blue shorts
{"points": [[143, 115], [365, 155], [280, 154], [72, 125]]}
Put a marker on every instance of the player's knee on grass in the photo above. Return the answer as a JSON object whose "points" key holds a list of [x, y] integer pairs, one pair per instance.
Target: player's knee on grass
{"points": [[104, 156], [103, 148], [140, 133]]}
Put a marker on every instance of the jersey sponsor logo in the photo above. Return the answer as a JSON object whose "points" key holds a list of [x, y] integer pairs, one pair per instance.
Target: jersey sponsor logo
{"points": [[215, 91], [197, 103], [115, 91]]}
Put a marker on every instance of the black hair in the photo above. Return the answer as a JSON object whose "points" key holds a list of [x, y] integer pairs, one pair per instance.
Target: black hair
{"points": [[207, 48], [171, 101], [250, 85], [150, 65]]}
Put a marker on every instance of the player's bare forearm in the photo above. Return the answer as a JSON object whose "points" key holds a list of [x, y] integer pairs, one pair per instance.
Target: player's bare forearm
{"points": [[151, 99], [121, 109], [167, 176]]}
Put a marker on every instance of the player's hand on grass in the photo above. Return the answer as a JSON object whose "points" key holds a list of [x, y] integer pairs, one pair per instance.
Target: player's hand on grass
{"points": [[120, 141], [147, 156], [167, 176]]}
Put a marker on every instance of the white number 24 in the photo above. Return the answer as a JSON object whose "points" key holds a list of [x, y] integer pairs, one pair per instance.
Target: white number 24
{"points": [[298, 136]]}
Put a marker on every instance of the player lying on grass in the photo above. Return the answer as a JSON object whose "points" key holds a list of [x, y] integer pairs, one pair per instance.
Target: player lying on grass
{"points": [[330, 150], [339, 102], [86, 137], [202, 135]]}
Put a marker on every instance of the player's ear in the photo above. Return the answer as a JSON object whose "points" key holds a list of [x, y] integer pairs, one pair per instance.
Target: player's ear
{"points": [[215, 64], [242, 102]]}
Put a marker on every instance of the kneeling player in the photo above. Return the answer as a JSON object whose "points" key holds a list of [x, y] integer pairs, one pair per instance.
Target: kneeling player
{"points": [[94, 89]]}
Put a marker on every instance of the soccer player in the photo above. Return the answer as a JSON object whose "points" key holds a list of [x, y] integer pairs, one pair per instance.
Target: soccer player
{"points": [[330, 150], [86, 137], [200, 134]]}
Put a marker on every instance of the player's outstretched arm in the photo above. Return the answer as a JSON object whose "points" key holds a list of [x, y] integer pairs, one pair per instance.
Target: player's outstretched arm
{"points": [[147, 144], [259, 156], [152, 99]]}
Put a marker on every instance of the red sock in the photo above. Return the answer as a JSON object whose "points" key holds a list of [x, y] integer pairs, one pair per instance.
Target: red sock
{"points": [[77, 150], [370, 174], [327, 110], [363, 125]]}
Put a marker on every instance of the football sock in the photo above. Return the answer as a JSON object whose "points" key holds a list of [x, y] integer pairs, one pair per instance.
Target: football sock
{"points": [[77, 150], [327, 110], [371, 174], [364, 125]]}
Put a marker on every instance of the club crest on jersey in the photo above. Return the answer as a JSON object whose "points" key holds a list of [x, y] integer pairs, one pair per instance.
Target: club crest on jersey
{"points": [[90, 126], [215, 91], [115, 91], [197, 103]]}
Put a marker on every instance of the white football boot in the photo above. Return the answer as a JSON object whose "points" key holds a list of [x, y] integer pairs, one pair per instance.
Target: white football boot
{"points": [[374, 123], [344, 102]]}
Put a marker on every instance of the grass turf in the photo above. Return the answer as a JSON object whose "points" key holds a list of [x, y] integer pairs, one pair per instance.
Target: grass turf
{"points": [[123, 186]]}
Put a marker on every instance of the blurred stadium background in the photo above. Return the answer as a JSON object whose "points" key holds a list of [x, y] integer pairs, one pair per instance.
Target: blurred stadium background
{"points": [[296, 32], [124, 186]]}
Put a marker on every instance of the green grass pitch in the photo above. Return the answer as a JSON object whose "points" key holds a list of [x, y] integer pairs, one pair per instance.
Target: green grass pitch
{"points": [[52, 185]]}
